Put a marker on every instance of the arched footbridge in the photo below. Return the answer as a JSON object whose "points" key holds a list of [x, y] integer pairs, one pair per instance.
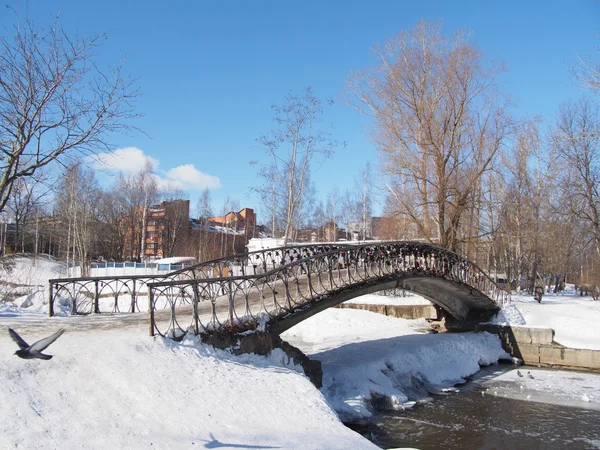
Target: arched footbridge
{"points": [[274, 289]]}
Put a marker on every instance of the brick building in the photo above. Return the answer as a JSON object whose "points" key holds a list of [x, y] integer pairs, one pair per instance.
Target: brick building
{"points": [[167, 227], [158, 235], [169, 231], [244, 220]]}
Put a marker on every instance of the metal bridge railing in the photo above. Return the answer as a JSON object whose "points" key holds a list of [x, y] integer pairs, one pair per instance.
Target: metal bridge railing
{"points": [[210, 303], [129, 293], [94, 295], [253, 263]]}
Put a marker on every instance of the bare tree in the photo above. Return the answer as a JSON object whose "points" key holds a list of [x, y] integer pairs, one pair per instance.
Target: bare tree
{"points": [[205, 206], [205, 240], [234, 206], [364, 186], [175, 224], [78, 198], [54, 100], [112, 213], [137, 193], [333, 206], [25, 205], [439, 124], [269, 195], [587, 70], [577, 142], [350, 208], [292, 148]]}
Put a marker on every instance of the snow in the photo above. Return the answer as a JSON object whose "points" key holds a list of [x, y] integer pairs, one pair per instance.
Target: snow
{"points": [[573, 389], [110, 385], [574, 318], [365, 355], [123, 389], [175, 260], [374, 299], [24, 283]]}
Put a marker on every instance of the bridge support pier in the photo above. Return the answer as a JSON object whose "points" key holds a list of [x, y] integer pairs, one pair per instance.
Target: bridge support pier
{"points": [[262, 343], [470, 323]]}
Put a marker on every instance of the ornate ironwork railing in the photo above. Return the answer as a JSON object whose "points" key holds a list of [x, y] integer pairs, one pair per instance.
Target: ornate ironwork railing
{"points": [[253, 263], [128, 293], [205, 304], [89, 295]]}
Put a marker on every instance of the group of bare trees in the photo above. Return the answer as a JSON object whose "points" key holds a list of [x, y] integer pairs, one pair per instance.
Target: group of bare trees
{"points": [[294, 147], [58, 108], [81, 221], [513, 196], [518, 196]]}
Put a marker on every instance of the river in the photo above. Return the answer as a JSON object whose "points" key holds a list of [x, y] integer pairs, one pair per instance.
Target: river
{"points": [[481, 417]]}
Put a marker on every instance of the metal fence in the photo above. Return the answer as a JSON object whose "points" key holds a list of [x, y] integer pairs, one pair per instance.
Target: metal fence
{"points": [[129, 293]]}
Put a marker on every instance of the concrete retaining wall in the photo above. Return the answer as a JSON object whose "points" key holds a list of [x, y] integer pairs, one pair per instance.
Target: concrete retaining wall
{"points": [[536, 346], [400, 311]]}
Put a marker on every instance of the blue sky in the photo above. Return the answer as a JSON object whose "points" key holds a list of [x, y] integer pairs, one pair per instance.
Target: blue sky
{"points": [[210, 71]]}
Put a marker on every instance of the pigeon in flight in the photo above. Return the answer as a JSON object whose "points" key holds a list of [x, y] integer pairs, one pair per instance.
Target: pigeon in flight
{"points": [[529, 375], [519, 373], [27, 351]]}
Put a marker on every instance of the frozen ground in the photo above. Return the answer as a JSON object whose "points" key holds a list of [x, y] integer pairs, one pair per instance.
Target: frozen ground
{"points": [[559, 387], [123, 389], [574, 318]]}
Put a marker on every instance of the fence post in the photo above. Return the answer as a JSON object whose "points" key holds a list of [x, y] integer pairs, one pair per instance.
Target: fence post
{"points": [[73, 302], [51, 301], [231, 311], [96, 298], [151, 309], [195, 304], [133, 297]]}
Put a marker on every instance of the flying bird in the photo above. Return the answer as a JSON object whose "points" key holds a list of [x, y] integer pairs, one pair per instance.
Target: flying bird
{"points": [[529, 375], [33, 351], [519, 373]]}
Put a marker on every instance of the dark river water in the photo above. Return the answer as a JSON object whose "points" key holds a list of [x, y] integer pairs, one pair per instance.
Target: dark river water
{"points": [[470, 420]]}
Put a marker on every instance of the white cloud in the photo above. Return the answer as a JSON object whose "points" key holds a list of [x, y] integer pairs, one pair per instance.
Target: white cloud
{"points": [[164, 184], [132, 159], [188, 177], [129, 159]]}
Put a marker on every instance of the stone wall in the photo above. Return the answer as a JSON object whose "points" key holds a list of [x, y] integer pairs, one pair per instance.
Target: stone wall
{"points": [[401, 311], [536, 347]]}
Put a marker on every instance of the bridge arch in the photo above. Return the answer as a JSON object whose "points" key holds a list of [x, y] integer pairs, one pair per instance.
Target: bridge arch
{"points": [[319, 278], [457, 301]]}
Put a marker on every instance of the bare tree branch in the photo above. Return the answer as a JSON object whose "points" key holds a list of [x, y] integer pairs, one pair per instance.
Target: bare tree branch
{"points": [[55, 101], [439, 123]]}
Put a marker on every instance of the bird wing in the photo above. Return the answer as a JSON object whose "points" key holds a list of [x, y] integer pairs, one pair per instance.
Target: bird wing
{"points": [[18, 339], [43, 343]]}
